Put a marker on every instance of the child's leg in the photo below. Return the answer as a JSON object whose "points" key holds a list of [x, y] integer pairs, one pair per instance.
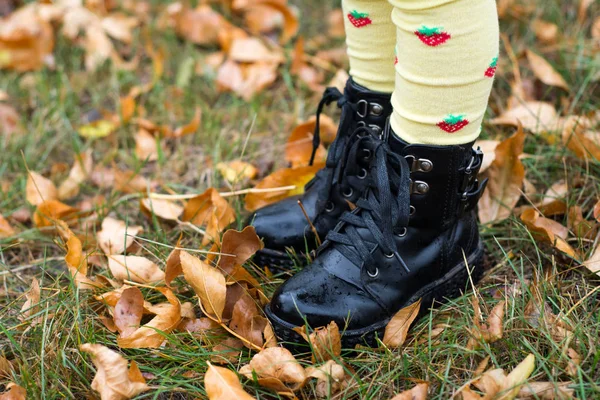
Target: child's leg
{"points": [[447, 54], [370, 36]]}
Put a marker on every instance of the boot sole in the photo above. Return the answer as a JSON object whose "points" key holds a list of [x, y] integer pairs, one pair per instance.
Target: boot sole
{"points": [[449, 286], [277, 261]]}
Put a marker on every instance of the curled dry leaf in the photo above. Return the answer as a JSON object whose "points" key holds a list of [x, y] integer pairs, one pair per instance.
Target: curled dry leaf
{"points": [[75, 258], [546, 32], [535, 116], [490, 332], [548, 230], [31, 306], [247, 322], [134, 268], [325, 341], [116, 236], [15, 392], [39, 189], [128, 311], [209, 209], [113, 380], [331, 378], [489, 152], [246, 79], [208, 284], [163, 209], [299, 146], [581, 228], [236, 171], [5, 229], [223, 384], [51, 211], [189, 128], [200, 25], [396, 330], [580, 139], [9, 120], [237, 248], [545, 72], [547, 391], [77, 175], [283, 178], [593, 262], [228, 351], [573, 363], [257, 10], [506, 175], [6, 368], [151, 335], [419, 392], [276, 368], [173, 268], [146, 146]]}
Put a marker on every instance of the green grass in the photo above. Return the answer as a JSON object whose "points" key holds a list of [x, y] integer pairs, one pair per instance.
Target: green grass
{"points": [[54, 103]]}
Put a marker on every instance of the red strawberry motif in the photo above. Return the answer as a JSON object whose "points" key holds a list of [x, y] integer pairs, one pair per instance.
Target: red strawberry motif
{"points": [[491, 71], [453, 123], [395, 60], [432, 36], [359, 19]]}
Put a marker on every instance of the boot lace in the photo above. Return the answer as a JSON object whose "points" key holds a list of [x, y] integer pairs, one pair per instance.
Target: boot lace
{"points": [[384, 207]]}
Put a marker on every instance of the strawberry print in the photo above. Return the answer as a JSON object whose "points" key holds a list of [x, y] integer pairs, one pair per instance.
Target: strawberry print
{"points": [[359, 19], [453, 123], [491, 71], [432, 36], [395, 57]]}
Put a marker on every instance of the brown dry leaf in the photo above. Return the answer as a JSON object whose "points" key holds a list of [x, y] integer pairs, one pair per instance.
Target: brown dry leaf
{"points": [[582, 11], [596, 31], [397, 329], [299, 146], [276, 368], [5, 229], [545, 31], [535, 116], [597, 211], [247, 322], [545, 72], [190, 128], [228, 351], [163, 209], [26, 40], [574, 362], [236, 171], [252, 50], [81, 169], [209, 209], [120, 27], [146, 146], [325, 341], [547, 391], [173, 267], [208, 284], [151, 335], [593, 263], [539, 315], [283, 178], [308, 74], [75, 258], [419, 392], [490, 332], [39, 189], [489, 152], [116, 236], [223, 384], [246, 79], [128, 311], [200, 25], [6, 368], [331, 377], [50, 211], [335, 22], [579, 138], [9, 120], [506, 176], [31, 306], [127, 106], [581, 228], [548, 230], [242, 245], [15, 392], [113, 380], [134, 268]]}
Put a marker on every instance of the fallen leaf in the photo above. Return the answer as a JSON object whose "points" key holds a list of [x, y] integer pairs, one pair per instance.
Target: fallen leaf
{"points": [[582, 11], [247, 322], [545, 72], [593, 263], [163, 209], [31, 306], [116, 236], [190, 128], [545, 31], [578, 137], [397, 329], [127, 107], [15, 392], [489, 152], [238, 247], [75, 258], [419, 392], [128, 311], [200, 25], [208, 284], [146, 146], [246, 79], [547, 391], [113, 379], [276, 368], [39, 189], [574, 362], [506, 175], [77, 175], [134, 268], [209, 209], [223, 384], [331, 378], [6, 368], [547, 230], [535, 116], [490, 332], [299, 146], [283, 178], [5, 229], [9, 119], [236, 171], [581, 228], [151, 335], [97, 129], [173, 267], [227, 351], [120, 27], [325, 342], [50, 211]]}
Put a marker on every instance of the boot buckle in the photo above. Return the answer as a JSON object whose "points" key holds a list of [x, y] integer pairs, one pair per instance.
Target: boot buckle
{"points": [[362, 108]]}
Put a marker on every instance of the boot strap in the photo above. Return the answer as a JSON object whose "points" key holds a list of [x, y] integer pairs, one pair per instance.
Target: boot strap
{"points": [[471, 189]]}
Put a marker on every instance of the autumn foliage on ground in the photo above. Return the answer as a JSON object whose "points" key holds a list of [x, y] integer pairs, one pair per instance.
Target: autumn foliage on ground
{"points": [[137, 136]]}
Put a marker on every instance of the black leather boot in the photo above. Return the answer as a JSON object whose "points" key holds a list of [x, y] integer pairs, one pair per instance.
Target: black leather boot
{"points": [[283, 226], [413, 235]]}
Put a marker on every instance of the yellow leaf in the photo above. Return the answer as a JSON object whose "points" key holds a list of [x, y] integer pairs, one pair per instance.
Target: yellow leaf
{"points": [[547, 230], [419, 392], [397, 329], [5, 229], [97, 129], [235, 171], [208, 283], [223, 384], [209, 209]]}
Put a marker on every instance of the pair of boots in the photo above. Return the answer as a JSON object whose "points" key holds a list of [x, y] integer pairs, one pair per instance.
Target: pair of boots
{"points": [[398, 221]]}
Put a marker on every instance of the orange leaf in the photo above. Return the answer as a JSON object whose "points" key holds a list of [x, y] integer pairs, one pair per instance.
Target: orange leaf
{"points": [[49, 211], [39, 189], [419, 392], [208, 283], [547, 230], [15, 392], [396, 330], [5, 229], [223, 384], [209, 209]]}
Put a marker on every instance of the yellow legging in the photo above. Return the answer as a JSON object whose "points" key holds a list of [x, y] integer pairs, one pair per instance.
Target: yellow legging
{"points": [[438, 57]]}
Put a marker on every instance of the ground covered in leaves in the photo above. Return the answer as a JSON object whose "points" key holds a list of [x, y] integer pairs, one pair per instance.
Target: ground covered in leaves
{"points": [[137, 135]]}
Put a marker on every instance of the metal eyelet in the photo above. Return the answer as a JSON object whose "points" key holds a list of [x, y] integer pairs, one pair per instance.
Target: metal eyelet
{"points": [[363, 108], [348, 192], [413, 210], [374, 274], [390, 255], [362, 174], [403, 232], [367, 154], [329, 207]]}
